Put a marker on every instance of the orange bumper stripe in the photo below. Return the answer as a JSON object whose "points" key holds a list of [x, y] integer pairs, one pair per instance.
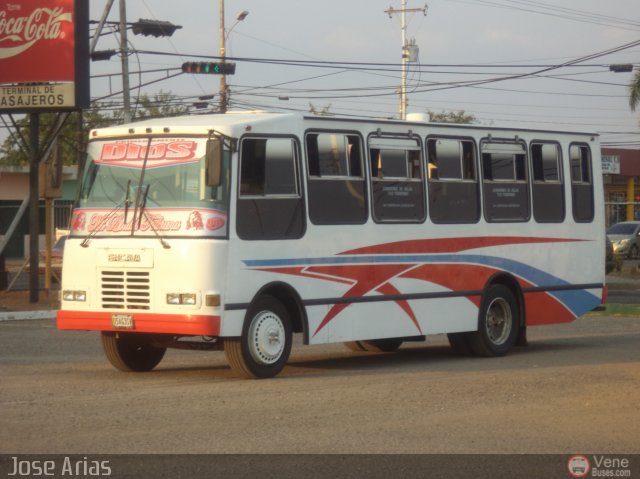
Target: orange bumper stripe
{"points": [[179, 324]]}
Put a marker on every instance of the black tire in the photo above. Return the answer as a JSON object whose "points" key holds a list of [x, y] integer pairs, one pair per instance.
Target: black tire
{"points": [[633, 252], [459, 342], [498, 323], [265, 345], [381, 345], [131, 351]]}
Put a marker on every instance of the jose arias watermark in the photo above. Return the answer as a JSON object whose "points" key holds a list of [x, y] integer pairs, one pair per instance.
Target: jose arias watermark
{"points": [[60, 467]]}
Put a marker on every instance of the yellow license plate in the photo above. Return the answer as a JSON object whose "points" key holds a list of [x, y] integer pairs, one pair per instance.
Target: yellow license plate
{"points": [[122, 321]]}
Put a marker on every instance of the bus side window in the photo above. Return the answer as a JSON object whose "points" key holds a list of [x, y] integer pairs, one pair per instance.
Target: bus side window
{"points": [[547, 186], [581, 183], [505, 185], [454, 195], [269, 202], [397, 185], [252, 167], [335, 184]]}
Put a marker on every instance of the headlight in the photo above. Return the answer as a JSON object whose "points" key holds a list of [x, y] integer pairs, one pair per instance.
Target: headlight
{"points": [[74, 295], [189, 299]]}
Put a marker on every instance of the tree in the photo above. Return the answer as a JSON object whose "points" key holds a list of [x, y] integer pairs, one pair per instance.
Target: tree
{"points": [[97, 116], [451, 117], [163, 104], [12, 154], [634, 97]]}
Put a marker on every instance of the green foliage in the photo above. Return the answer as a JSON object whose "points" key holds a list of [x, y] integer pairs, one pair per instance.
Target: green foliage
{"points": [[451, 117], [98, 116], [634, 90], [13, 154], [163, 104]]}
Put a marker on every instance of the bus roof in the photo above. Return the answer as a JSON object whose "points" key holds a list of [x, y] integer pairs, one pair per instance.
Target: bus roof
{"points": [[203, 124]]}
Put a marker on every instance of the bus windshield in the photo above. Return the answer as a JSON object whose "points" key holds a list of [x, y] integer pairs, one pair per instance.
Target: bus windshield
{"points": [[165, 176]]}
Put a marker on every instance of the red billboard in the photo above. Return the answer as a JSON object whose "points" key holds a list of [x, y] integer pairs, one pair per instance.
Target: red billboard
{"points": [[43, 42]]}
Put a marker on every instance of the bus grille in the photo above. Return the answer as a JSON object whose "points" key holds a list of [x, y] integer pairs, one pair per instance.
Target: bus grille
{"points": [[125, 289]]}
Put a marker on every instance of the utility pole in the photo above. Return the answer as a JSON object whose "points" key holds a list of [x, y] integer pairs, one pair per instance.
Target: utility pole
{"points": [[34, 218], [223, 77], [124, 57], [408, 49], [224, 70]]}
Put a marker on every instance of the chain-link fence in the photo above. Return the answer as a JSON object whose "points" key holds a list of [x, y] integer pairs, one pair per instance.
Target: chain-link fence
{"points": [[616, 211]]}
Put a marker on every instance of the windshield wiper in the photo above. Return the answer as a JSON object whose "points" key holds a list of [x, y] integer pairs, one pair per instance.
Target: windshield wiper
{"points": [[111, 214], [149, 218], [126, 201]]}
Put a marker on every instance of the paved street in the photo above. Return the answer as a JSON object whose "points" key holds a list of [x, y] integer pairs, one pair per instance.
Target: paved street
{"points": [[575, 388]]}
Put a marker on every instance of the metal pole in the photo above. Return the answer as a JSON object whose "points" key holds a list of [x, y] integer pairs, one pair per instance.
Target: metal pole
{"points": [[223, 77], [403, 87], [34, 218], [48, 226], [124, 52], [103, 19], [405, 51]]}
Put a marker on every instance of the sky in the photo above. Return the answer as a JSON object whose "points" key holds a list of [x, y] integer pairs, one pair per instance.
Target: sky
{"points": [[343, 57]]}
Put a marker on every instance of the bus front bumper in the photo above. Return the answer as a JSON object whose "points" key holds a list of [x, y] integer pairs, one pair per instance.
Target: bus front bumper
{"points": [[177, 324]]}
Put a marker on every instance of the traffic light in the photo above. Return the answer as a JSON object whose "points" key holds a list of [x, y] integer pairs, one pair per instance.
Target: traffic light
{"points": [[621, 68], [209, 68], [156, 28]]}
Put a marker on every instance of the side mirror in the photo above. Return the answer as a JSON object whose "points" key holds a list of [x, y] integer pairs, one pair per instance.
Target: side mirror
{"points": [[213, 161]]}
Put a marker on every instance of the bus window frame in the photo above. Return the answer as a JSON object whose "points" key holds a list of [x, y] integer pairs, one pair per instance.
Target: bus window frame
{"points": [[266, 200], [526, 182], [381, 137], [577, 184], [433, 183], [311, 180], [297, 157], [537, 184]]}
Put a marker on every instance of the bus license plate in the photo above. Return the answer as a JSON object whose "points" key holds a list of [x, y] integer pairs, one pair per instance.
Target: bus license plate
{"points": [[122, 321]]}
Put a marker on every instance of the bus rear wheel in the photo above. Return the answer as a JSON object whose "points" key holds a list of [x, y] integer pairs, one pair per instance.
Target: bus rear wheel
{"points": [[264, 347], [131, 351], [498, 323]]}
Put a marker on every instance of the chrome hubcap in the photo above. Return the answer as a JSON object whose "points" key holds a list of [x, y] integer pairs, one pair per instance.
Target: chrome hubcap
{"points": [[267, 337], [499, 321]]}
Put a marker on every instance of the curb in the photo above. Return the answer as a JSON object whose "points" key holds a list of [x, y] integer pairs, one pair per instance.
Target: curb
{"points": [[616, 309], [27, 315]]}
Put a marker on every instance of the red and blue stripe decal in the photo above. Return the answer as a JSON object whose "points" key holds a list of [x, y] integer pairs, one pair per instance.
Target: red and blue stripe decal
{"points": [[369, 272]]}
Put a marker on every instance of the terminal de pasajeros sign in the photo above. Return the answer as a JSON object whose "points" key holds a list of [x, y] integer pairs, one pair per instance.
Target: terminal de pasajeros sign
{"points": [[44, 60]]}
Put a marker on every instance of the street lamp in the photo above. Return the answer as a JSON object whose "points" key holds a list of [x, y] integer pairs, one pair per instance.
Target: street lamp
{"points": [[224, 34]]}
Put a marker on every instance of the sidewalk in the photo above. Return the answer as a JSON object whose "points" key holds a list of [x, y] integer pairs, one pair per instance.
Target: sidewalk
{"points": [[27, 315]]}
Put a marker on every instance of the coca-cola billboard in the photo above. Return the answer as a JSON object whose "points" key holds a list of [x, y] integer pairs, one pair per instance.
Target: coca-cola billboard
{"points": [[43, 42]]}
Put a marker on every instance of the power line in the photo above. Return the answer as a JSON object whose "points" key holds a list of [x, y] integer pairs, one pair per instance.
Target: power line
{"points": [[560, 12]]}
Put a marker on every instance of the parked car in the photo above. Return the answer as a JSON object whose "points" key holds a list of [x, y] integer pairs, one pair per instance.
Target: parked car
{"points": [[625, 237], [610, 257]]}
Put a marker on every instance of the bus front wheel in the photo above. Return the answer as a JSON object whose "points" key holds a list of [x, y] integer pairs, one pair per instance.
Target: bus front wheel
{"points": [[131, 351], [498, 323], [264, 347]]}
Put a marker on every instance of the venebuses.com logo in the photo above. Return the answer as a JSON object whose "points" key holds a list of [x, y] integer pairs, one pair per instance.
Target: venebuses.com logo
{"points": [[580, 466]]}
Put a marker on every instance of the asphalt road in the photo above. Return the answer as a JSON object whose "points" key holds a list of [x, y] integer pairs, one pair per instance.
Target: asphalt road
{"points": [[574, 389]]}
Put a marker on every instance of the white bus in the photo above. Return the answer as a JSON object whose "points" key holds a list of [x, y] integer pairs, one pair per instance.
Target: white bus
{"points": [[235, 231]]}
